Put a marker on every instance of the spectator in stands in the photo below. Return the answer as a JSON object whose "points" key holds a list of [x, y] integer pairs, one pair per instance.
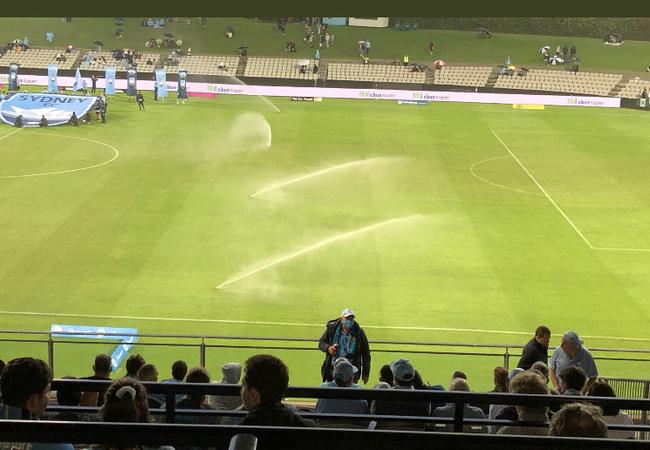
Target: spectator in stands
{"points": [[266, 378], [572, 352], [195, 400], [432, 47], [25, 387], [231, 374], [345, 337], [43, 122], [102, 369], [578, 420], [68, 396], [459, 374], [2, 367], [386, 375], [501, 385], [536, 349], [344, 373], [133, 364], [148, 372], [404, 375], [179, 370], [469, 412], [543, 370], [529, 382], [93, 81], [572, 380], [611, 415]]}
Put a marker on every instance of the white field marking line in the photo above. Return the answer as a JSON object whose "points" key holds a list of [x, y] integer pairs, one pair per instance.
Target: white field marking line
{"points": [[9, 134], [317, 245], [544, 191], [471, 169], [609, 249], [115, 156], [293, 324], [281, 184], [574, 134]]}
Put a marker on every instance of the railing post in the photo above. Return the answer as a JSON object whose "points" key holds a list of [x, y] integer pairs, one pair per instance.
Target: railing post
{"points": [[506, 359], [202, 353], [170, 407], [458, 417], [644, 413], [50, 351]]}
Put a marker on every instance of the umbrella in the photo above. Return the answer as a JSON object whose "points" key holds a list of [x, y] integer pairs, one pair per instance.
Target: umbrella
{"points": [[98, 43], [439, 62]]}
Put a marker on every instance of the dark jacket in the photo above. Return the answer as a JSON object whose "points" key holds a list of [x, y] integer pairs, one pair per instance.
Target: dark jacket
{"points": [[533, 351], [361, 357], [275, 414]]}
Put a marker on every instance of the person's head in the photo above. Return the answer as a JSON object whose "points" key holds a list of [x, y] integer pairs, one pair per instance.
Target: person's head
{"points": [[459, 374], [572, 377], [529, 382], [403, 372], [266, 378], [501, 383], [578, 420], [197, 375], [68, 396], [231, 373], [125, 401], [386, 375], [602, 389], [571, 343], [102, 365], [344, 372], [25, 383], [2, 367], [418, 382], [148, 372], [543, 335], [541, 368], [347, 319], [133, 364], [459, 385], [179, 370]]}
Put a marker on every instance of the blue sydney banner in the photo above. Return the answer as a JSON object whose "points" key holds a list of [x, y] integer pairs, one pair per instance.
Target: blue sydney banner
{"points": [[161, 82], [104, 333], [57, 108], [110, 81], [52, 86]]}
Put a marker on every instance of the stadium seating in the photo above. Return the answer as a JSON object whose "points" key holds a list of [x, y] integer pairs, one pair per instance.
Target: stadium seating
{"points": [[462, 76], [96, 65], [40, 58], [209, 65], [633, 88], [590, 83], [279, 68], [377, 73]]}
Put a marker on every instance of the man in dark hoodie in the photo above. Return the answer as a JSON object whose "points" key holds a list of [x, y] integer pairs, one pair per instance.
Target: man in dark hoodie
{"points": [[344, 337], [266, 378]]}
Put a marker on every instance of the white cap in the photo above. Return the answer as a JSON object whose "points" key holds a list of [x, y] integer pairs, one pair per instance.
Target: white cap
{"points": [[347, 312]]}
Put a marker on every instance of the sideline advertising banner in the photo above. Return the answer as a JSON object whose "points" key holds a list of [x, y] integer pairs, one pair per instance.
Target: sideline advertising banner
{"points": [[57, 108], [131, 82]]}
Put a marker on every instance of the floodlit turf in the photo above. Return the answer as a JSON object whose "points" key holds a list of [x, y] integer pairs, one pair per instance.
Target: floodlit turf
{"points": [[406, 234], [263, 39]]}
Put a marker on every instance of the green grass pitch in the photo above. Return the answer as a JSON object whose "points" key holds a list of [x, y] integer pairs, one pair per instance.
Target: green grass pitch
{"points": [[431, 232]]}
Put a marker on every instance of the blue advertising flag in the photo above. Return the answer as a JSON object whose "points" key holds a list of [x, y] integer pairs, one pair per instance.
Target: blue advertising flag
{"points": [[110, 81], [52, 86], [57, 108], [161, 82], [78, 82], [131, 82], [182, 84], [13, 77]]}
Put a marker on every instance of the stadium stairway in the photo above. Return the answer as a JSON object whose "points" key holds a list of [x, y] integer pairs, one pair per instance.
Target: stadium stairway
{"points": [[241, 67], [430, 75], [493, 78], [617, 89], [322, 70]]}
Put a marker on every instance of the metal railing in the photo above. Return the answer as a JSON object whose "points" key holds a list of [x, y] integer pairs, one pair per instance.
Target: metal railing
{"points": [[205, 342]]}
